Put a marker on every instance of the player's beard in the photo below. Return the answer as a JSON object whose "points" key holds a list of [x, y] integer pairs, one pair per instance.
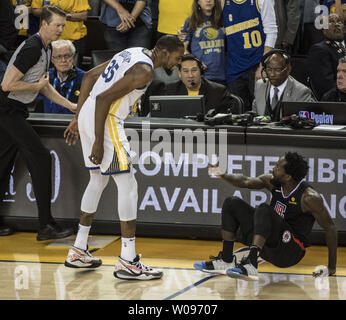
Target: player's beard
{"points": [[275, 182]]}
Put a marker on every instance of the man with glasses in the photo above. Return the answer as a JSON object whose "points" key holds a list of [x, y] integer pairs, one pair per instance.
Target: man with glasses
{"points": [[338, 93], [64, 76], [277, 85]]}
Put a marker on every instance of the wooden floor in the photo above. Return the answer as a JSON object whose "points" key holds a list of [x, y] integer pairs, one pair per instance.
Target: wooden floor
{"points": [[34, 270]]}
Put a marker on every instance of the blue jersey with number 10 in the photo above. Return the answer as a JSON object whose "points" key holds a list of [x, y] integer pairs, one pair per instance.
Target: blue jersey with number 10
{"points": [[244, 35]]}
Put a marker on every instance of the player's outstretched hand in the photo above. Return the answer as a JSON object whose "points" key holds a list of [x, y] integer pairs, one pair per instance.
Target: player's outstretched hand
{"points": [[71, 132], [215, 170]]}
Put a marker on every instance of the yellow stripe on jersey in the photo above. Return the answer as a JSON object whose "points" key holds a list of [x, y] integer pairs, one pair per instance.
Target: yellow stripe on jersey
{"points": [[119, 149], [239, 1], [258, 6], [115, 106]]}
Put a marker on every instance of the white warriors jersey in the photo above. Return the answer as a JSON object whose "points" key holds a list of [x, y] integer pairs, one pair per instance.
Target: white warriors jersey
{"points": [[115, 70]]}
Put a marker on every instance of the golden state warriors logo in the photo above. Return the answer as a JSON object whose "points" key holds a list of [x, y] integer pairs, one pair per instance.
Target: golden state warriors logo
{"points": [[239, 1], [211, 33]]}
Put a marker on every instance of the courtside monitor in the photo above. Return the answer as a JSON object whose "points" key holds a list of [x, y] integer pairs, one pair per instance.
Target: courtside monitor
{"points": [[176, 106], [321, 112]]}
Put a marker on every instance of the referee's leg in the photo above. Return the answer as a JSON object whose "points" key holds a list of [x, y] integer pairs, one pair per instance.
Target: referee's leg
{"points": [[8, 152], [38, 160]]}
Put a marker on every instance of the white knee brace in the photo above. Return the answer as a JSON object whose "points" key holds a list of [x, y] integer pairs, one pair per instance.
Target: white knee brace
{"points": [[93, 191], [127, 195]]}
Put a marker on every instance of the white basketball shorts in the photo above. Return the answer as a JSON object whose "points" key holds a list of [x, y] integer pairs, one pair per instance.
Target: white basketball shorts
{"points": [[116, 157]]}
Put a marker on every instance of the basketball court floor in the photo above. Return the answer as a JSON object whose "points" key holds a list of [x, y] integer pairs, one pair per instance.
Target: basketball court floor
{"points": [[31, 270]]}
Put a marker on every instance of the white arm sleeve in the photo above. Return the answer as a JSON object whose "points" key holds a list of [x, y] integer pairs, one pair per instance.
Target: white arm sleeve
{"points": [[269, 21]]}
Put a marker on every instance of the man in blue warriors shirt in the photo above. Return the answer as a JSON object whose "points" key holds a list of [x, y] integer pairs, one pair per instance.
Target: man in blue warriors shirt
{"points": [[251, 31]]}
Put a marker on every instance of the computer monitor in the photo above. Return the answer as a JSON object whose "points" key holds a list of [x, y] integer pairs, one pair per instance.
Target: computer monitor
{"points": [[176, 106], [321, 112]]}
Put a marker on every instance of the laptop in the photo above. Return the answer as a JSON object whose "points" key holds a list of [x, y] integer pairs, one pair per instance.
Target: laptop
{"points": [[176, 106], [321, 112]]}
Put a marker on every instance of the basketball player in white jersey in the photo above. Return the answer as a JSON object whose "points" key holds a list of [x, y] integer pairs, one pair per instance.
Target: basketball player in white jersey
{"points": [[115, 87]]}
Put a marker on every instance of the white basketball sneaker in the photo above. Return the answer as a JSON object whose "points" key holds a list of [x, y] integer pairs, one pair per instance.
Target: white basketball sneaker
{"points": [[216, 265], [78, 258], [244, 270], [135, 270]]}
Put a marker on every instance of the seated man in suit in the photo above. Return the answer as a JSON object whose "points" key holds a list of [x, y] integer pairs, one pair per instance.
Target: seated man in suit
{"points": [[280, 87], [323, 57], [192, 82], [338, 93]]}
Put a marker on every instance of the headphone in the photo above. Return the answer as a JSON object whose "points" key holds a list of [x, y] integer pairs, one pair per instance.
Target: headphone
{"points": [[190, 56], [264, 59]]}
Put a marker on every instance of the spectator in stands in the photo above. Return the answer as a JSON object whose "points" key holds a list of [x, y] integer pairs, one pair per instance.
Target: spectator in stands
{"points": [[287, 13], [323, 57], [336, 6], [251, 31], [95, 8], [8, 34], [280, 87], [154, 8], [75, 29], [309, 34], [338, 93], [192, 82], [172, 15], [206, 38], [64, 76], [127, 23]]}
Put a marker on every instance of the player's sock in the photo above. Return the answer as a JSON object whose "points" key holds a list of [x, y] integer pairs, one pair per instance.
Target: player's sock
{"points": [[227, 250], [81, 241], [128, 250], [253, 255]]}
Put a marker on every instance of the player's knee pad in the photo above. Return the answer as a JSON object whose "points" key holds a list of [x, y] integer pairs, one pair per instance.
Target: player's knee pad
{"points": [[127, 196], [230, 207], [93, 191], [231, 204], [263, 220]]}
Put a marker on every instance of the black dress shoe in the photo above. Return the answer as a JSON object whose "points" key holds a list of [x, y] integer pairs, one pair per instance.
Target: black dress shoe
{"points": [[5, 230], [53, 231]]}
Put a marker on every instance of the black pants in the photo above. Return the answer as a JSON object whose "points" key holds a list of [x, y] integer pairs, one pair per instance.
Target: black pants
{"points": [[281, 248], [80, 50], [244, 87], [17, 135]]}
